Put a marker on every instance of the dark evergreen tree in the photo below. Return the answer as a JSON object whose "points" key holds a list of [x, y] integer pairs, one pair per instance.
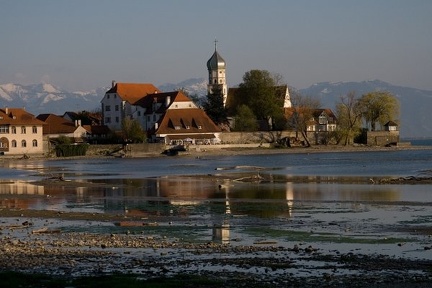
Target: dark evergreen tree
{"points": [[214, 106]]}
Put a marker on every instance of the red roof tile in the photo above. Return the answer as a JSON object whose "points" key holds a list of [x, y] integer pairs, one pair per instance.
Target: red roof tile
{"points": [[132, 92], [193, 120], [18, 116], [56, 124]]}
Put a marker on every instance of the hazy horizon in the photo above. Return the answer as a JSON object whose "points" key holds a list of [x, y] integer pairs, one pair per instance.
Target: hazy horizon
{"points": [[82, 45]]}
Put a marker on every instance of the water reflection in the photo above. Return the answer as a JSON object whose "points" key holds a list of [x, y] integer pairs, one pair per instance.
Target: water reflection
{"points": [[191, 196]]}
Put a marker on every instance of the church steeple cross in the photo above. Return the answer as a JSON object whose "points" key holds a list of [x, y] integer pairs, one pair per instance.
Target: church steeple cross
{"points": [[215, 41]]}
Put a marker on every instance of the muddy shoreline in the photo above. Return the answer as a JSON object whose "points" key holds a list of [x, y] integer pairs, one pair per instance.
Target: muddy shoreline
{"points": [[41, 247]]}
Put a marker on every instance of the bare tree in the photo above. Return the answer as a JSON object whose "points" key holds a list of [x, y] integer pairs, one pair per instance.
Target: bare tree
{"points": [[301, 114], [349, 115]]}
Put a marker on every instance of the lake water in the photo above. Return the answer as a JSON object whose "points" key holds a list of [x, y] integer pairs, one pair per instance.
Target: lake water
{"points": [[223, 209], [380, 163]]}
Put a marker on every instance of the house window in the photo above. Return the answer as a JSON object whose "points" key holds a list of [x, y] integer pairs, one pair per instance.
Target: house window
{"points": [[108, 95], [34, 143], [23, 130], [34, 129], [139, 113], [154, 117], [148, 118], [107, 108], [13, 128], [322, 119], [116, 107], [117, 119], [23, 143], [107, 119], [14, 143], [4, 129]]}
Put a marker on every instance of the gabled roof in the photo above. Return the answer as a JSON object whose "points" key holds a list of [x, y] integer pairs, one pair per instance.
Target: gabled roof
{"points": [[193, 121], [161, 98], [328, 112], [18, 116], [89, 118], [56, 124], [97, 129], [391, 123], [132, 92]]}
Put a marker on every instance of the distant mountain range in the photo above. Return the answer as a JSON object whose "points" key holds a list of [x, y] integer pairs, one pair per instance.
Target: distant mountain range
{"points": [[415, 104]]}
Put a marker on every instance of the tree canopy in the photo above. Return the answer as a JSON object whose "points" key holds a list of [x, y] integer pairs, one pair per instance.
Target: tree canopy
{"points": [[132, 131], [245, 120], [378, 107], [258, 93]]}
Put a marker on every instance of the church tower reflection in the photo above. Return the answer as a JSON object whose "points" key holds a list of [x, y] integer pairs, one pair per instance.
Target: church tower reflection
{"points": [[221, 233]]}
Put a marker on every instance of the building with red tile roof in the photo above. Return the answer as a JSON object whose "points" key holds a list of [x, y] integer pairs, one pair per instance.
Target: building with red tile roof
{"points": [[165, 116], [119, 102], [20, 132], [56, 126]]}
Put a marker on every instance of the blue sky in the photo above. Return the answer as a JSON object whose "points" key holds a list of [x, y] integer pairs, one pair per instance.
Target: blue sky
{"points": [[85, 44]]}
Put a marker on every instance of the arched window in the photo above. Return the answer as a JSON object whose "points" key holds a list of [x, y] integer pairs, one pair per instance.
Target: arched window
{"points": [[23, 130], [13, 129], [14, 143], [23, 143], [34, 143]]}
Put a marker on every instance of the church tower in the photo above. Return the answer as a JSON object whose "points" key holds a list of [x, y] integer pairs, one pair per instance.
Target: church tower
{"points": [[217, 79]]}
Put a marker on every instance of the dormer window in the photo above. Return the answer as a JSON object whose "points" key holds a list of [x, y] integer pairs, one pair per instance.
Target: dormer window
{"points": [[199, 127], [177, 127], [187, 127]]}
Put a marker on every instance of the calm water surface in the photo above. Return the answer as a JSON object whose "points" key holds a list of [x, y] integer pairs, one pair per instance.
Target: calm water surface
{"points": [[222, 209], [388, 163]]}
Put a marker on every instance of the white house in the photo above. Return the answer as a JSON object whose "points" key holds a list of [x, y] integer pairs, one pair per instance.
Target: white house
{"points": [[20, 132], [119, 102]]}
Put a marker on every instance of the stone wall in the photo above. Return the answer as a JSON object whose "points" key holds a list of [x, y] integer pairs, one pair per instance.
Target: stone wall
{"points": [[382, 138], [253, 137], [134, 150]]}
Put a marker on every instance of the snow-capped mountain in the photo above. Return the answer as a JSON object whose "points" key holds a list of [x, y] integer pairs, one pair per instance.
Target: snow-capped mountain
{"points": [[193, 86], [47, 98]]}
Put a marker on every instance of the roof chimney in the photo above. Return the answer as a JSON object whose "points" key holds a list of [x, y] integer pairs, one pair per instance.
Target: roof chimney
{"points": [[113, 83], [168, 101], [6, 110]]}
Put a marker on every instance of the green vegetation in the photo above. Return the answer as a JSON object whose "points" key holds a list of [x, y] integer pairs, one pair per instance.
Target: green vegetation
{"points": [[132, 131], [259, 94], [245, 120], [371, 109], [214, 106], [69, 150]]}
